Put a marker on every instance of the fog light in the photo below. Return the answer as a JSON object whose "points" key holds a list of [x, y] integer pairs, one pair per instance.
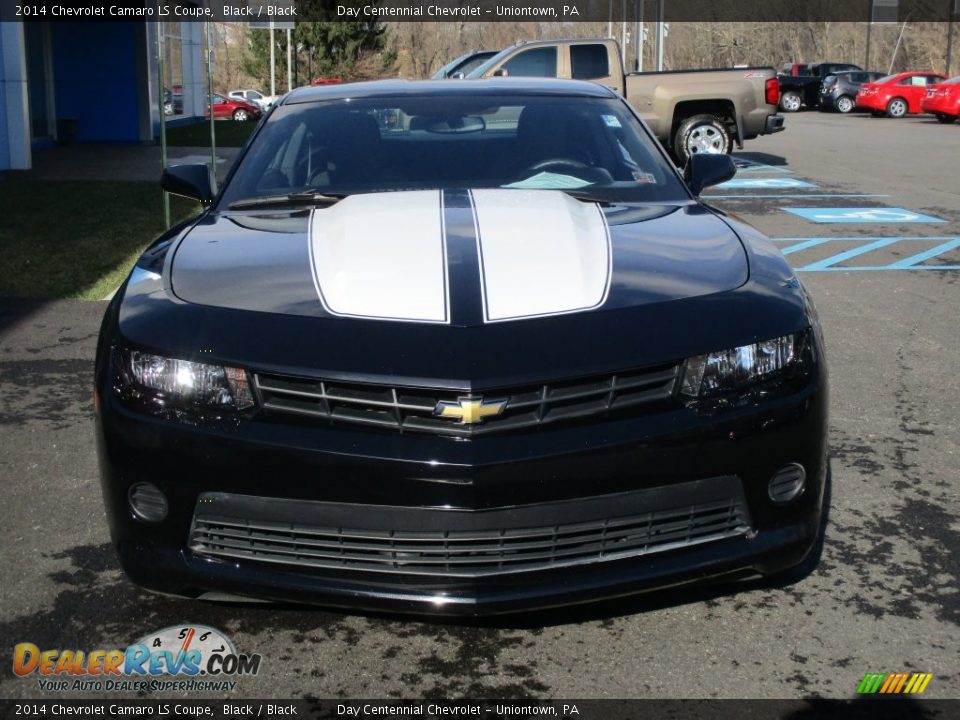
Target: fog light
{"points": [[787, 484], [148, 502]]}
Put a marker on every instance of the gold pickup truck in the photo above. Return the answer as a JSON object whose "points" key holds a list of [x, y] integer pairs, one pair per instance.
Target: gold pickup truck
{"points": [[690, 111]]}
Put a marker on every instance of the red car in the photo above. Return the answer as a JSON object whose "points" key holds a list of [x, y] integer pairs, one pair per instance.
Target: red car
{"points": [[897, 95], [943, 100], [240, 110]]}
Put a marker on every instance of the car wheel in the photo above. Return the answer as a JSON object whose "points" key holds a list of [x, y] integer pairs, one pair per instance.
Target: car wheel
{"points": [[845, 104], [790, 102], [897, 108], [946, 119], [241, 115], [701, 134], [168, 109]]}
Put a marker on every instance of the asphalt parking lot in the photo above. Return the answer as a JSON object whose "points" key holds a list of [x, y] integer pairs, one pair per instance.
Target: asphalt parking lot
{"points": [[877, 240]]}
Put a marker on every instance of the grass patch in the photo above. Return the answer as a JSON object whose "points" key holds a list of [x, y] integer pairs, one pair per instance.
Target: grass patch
{"points": [[72, 239], [228, 133]]}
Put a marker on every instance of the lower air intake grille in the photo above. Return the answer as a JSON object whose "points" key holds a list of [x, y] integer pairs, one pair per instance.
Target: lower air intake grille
{"points": [[466, 544]]}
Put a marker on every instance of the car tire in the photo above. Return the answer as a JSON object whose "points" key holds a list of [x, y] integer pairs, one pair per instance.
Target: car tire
{"points": [[945, 119], [790, 101], [845, 104], [701, 133], [897, 107], [241, 115]]}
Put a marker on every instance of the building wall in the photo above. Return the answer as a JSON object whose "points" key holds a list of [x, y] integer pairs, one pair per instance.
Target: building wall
{"points": [[14, 128], [103, 75], [95, 79], [4, 138]]}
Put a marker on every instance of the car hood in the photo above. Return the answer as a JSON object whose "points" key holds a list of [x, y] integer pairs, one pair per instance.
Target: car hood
{"points": [[456, 257]]}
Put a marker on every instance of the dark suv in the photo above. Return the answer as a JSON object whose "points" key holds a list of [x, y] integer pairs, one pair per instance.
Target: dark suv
{"points": [[839, 91]]}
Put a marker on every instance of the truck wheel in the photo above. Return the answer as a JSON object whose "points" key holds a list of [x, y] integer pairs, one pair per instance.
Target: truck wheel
{"points": [[701, 134], [790, 101], [897, 108], [845, 104]]}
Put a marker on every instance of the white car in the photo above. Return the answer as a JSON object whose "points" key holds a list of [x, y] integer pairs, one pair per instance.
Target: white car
{"points": [[265, 102]]}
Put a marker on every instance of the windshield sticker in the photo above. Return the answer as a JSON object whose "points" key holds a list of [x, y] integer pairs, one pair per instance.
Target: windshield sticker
{"points": [[643, 177], [611, 121], [549, 181]]}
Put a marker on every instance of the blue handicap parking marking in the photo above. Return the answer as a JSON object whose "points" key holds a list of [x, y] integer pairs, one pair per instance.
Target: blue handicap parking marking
{"points": [[781, 183], [862, 215], [748, 166], [855, 246]]}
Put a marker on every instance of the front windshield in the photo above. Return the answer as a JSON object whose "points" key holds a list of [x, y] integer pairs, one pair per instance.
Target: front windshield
{"points": [[445, 70], [480, 70], [590, 145]]}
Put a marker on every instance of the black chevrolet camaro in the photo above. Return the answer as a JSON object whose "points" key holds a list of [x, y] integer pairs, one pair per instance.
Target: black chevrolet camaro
{"points": [[463, 347]]}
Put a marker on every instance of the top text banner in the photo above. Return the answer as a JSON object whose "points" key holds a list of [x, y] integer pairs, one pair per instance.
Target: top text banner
{"points": [[558, 11]]}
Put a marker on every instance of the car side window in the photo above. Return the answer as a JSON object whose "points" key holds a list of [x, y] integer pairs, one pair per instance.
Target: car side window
{"points": [[589, 61], [535, 62]]}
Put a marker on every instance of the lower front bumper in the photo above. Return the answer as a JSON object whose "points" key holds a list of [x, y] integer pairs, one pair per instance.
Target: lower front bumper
{"points": [[767, 553], [665, 453]]}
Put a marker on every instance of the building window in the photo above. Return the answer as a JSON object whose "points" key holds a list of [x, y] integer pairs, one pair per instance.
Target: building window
{"points": [[172, 69]]}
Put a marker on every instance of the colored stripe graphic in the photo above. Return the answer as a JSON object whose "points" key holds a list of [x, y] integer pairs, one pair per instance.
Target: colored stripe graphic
{"points": [[894, 683]]}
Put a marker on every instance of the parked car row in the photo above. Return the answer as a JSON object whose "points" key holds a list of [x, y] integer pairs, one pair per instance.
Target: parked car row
{"points": [[843, 87]]}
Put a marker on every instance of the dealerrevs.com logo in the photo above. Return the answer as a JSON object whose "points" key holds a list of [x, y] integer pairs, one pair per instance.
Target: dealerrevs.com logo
{"points": [[178, 658]]}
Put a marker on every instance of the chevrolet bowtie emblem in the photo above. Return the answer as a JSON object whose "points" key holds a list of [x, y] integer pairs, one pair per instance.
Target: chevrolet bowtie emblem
{"points": [[469, 410]]}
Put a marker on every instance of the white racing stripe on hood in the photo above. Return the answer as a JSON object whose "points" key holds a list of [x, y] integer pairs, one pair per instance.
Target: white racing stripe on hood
{"points": [[382, 256], [541, 253]]}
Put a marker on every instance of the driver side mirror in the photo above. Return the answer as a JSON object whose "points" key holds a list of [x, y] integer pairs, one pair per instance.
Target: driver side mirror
{"points": [[192, 181], [706, 169]]}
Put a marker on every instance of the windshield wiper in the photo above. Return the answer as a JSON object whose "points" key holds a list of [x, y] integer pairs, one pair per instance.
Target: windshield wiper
{"points": [[586, 196], [297, 198]]}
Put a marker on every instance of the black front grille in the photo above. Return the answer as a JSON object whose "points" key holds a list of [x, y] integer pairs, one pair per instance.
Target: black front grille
{"points": [[451, 543], [406, 408]]}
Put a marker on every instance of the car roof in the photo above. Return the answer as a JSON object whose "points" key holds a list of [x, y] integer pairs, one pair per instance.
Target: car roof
{"points": [[436, 88]]}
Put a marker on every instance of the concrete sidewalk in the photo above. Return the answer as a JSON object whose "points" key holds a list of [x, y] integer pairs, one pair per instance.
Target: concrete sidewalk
{"points": [[115, 161]]}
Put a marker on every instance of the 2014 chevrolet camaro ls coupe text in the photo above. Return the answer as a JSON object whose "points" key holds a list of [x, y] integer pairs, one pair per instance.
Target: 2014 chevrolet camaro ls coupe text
{"points": [[458, 347]]}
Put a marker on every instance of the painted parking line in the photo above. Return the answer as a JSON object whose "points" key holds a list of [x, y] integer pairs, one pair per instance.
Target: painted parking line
{"points": [[801, 196], [866, 245], [862, 215], [848, 254], [744, 165], [782, 183], [933, 252]]}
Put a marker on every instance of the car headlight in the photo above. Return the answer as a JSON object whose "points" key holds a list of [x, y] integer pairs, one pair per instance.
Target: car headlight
{"points": [[729, 371], [160, 384]]}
